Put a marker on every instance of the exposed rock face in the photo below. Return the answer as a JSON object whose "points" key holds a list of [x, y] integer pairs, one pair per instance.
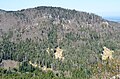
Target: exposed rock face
{"points": [[107, 54], [34, 65], [44, 68], [59, 54], [48, 50], [104, 24]]}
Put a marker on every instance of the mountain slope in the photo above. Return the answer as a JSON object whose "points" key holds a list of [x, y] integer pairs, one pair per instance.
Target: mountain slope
{"points": [[29, 21], [34, 35]]}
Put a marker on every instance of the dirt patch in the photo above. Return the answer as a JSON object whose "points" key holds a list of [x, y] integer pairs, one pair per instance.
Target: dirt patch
{"points": [[9, 64]]}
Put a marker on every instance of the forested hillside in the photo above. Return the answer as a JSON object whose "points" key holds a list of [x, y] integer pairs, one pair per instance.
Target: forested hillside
{"points": [[57, 43]]}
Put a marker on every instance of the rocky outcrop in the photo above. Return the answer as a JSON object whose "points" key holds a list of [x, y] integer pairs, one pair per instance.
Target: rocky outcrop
{"points": [[44, 68], [107, 54], [59, 54]]}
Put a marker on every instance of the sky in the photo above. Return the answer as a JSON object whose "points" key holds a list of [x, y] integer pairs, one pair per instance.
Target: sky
{"points": [[100, 7]]}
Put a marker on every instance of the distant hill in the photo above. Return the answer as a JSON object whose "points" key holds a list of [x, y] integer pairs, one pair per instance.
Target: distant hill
{"points": [[115, 19]]}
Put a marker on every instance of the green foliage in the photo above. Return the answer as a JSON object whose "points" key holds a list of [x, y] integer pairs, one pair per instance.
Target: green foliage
{"points": [[52, 37], [79, 50], [81, 73], [79, 34], [26, 67]]}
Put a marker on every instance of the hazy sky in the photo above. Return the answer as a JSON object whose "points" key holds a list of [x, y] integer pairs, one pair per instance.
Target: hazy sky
{"points": [[100, 7]]}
